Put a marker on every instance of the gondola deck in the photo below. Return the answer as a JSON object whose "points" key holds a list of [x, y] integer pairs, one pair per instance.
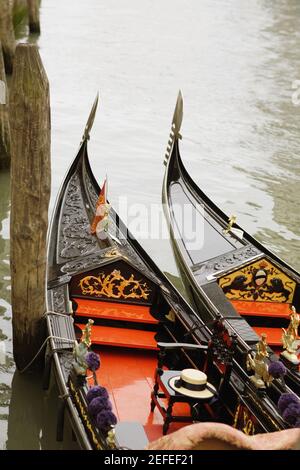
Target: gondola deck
{"points": [[128, 376]]}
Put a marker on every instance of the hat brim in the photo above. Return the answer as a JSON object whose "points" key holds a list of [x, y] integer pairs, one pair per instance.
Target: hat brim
{"points": [[203, 394]]}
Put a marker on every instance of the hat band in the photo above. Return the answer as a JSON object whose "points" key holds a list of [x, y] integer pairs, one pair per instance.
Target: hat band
{"points": [[193, 387]]}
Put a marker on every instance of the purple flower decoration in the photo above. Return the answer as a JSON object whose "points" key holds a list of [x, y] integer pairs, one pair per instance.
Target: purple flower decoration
{"points": [[93, 361], [97, 405], [105, 419], [287, 399], [277, 369], [96, 391], [292, 413]]}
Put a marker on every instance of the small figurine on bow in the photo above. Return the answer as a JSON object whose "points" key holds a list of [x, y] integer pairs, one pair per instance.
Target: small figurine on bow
{"points": [[259, 365], [290, 338], [80, 350], [83, 358], [262, 348]]}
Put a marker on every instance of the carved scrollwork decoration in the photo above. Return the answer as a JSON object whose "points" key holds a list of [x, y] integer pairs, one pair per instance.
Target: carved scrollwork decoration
{"points": [[225, 262], [90, 188], [66, 361], [260, 281], [238, 256], [75, 239], [59, 299], [114, 286], [89, 262]]}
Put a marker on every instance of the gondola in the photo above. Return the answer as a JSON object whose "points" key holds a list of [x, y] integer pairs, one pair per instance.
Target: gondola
{"points": [[142, 327], [228, 272]]}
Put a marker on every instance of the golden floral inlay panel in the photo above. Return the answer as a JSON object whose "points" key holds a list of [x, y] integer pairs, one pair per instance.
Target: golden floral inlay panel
{"points": [[114, 286]]}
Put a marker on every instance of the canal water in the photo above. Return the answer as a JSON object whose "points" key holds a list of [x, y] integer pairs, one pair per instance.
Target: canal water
{"points": [[237, 64]]}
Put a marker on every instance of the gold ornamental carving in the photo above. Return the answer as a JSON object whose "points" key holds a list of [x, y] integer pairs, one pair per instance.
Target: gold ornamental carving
{"points": [[260, 282], [114, 286]]}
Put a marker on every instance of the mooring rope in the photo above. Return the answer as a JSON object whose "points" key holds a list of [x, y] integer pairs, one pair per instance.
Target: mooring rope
{"points": [[50, 312], [60, 338], [67, 340]]}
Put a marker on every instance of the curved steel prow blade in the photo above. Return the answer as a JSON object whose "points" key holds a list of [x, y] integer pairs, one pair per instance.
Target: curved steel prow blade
{"points": [[90, 121], [178, 115], [176, 126]]}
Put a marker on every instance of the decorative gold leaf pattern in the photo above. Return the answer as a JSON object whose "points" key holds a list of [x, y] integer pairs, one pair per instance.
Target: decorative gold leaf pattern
{"points": [[260, 282], [114, 286]]}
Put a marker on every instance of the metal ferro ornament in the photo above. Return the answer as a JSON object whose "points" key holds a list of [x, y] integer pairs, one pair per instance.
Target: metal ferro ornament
{"points": [[231, 222]]}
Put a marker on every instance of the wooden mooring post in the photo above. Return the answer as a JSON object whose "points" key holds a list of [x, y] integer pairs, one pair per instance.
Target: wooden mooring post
{"points": [[30, 193], [19, 4], [19, 11], [4, 118], [7, 35], [34, 16]]}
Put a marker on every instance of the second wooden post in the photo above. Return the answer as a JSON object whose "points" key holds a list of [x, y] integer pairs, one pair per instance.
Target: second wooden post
{"points": [[34, 16]]}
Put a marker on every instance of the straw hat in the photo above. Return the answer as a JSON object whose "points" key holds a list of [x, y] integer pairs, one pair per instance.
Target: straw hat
{"points": [[193, 383]]}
